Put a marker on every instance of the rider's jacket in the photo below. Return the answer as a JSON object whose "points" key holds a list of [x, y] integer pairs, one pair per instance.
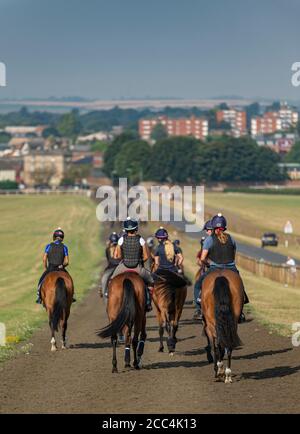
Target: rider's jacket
{"points": [[163, 260], [222, 253], [132, 251], [56, 252]]}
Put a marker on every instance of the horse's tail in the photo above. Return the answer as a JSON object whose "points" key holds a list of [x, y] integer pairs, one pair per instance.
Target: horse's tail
{"points": [[126, 315], [60, 303], [226, 327]]}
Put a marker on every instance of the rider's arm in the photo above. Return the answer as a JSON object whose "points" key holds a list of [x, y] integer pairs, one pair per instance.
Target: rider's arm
{"points": [[118, 252], [45, 261], [146, 253], [66, 261], [204, 255], [180, 259]]}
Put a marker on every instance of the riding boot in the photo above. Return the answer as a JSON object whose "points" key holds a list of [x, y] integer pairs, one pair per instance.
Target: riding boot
{"points": [[246, 299], [148, 299], [39, 299]]}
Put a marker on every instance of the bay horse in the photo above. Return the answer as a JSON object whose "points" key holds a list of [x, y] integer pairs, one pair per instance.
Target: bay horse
{"points": [[126, 310], [169, 295], [57, 292], [222, 302]]}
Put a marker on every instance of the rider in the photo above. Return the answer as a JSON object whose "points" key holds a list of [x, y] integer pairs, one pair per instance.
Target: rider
{"points": [[133, 253], [112, 263], [56, 258], [209, 230], [167, 254], [220, 249]]}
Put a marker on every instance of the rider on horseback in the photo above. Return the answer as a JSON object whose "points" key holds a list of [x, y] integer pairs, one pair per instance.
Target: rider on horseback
{"points": [[209, 230], [220, 249], [167, 254], [133, 253], [56, 258], [112, 262]]}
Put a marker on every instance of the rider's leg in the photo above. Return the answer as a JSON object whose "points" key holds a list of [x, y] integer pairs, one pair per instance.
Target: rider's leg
{"points": [[39, 300], [105, 279], [148, 279]]}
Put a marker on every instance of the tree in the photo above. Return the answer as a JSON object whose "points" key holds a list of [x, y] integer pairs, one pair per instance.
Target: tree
{"points": [[175, 159], [133, 161], [112, 151], [75, 173], [159, 132], [50, 131], [294, 155], [69, 125], [4, 137]]}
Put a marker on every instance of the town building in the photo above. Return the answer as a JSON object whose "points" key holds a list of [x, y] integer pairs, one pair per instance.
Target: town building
{"points": [[41, 168], [236, 118], [196, 127], [279, 142], [292, 169], [273, 121], [21, 131]]}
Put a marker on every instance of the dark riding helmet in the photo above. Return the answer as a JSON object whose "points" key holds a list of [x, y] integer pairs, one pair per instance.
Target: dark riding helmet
{"points": [[208, 226], [219, 222], [130, 224], [176, 242], [58, 233], [161, 234], [113, 238]]}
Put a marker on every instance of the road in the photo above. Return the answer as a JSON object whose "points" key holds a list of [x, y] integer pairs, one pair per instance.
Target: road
{"points": [[79, 380]]}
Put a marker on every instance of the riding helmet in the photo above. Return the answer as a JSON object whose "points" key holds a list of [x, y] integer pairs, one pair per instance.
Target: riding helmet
{"points": [[161, 234], [130, 224], [219, 222], [176, 242], [113, 238], [58, 233], [208, 226]]}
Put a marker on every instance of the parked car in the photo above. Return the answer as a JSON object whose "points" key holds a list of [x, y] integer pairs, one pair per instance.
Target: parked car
{"points": [[269, 239]]}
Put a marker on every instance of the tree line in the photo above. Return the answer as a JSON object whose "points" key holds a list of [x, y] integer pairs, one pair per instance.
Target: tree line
{"points": [[186, 159]]}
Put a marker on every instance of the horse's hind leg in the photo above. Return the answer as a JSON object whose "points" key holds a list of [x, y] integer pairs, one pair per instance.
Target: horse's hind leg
{"points": [[114, 360], [53, 341], [209, 356], [64, 331], [127, 347], [141, 343], [134, 347], [228, 372]]}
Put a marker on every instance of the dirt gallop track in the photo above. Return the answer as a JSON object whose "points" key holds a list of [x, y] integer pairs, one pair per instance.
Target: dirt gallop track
{"points": [[267, 373]]}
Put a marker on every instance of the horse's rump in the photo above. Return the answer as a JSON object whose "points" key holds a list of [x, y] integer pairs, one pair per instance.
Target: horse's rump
{"points": [[172, 279]]}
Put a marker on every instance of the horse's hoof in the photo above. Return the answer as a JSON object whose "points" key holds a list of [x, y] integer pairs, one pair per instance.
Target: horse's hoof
{"points": [[171, 353], [127, 365], [114, 370], [64, 347], [228, 380], [53, 349], [161, 349], [140, 364]]}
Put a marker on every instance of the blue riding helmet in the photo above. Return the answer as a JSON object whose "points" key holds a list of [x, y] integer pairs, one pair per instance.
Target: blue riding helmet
{"points": [[208, 226], [176, 242], [130, 224], [58, 233], [161, 234], [219, 222], [113, 238]]}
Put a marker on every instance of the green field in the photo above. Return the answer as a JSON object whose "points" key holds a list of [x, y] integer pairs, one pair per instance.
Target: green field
{"points": [[27, 224]]}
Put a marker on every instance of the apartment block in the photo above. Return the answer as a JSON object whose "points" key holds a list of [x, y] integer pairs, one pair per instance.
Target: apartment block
{"points": [[196, 127], [236, 118]]}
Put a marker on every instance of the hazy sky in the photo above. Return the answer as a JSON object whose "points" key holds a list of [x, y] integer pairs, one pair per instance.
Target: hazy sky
{"points": [[137, 48]]}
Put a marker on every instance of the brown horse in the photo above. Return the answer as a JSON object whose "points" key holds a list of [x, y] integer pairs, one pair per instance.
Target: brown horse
{"points": [[222, 302], [126, 309], [57, 294], [169, 296]]}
